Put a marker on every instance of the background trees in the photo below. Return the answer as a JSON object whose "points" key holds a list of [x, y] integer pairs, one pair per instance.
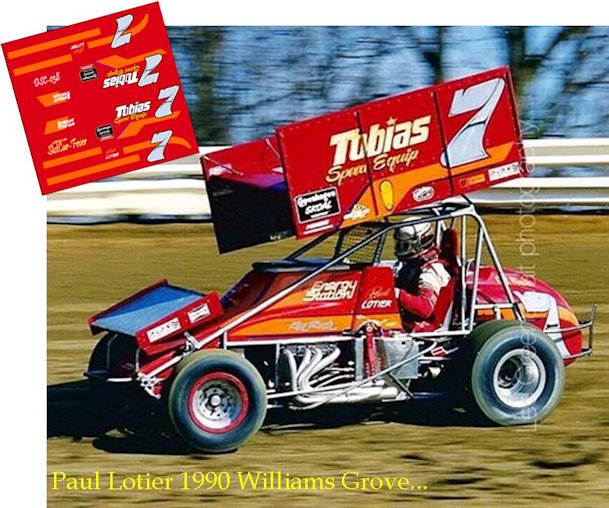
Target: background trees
{"points": [[240, 82]]}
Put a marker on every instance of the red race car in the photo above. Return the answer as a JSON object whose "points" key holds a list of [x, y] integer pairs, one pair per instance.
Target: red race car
{"points": [[332, 322]]}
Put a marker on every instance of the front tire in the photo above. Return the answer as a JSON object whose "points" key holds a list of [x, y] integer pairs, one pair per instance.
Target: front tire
{"points": [[217, 401], [517, 373]]}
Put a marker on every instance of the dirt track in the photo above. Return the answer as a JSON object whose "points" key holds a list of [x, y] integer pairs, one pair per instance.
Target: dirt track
{"points": [[563, 460]]}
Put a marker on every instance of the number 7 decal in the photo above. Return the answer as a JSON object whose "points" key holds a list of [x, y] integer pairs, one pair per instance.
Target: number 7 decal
{"points": [[158, 152], [468, 144], [169, 94], [120, 37]]}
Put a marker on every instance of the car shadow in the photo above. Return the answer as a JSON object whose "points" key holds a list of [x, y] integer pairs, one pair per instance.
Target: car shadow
{"points": [[76, 410]]}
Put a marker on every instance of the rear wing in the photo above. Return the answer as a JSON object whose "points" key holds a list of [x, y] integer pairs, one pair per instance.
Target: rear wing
{"points": [[367, 162]]}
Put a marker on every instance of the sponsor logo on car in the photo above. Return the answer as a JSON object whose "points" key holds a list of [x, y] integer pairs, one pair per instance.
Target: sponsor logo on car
{"points": [[472, 180], [163, 330], [375, 145], [357, 212], [423, 193], [317, 205], [376, 304], [315, 325], [395, 136], [501, 172], [199, 313], [379, 292], [317, 226], [331, 291]]}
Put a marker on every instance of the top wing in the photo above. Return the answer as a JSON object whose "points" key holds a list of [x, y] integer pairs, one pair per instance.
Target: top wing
{"points": [[376, 159]]}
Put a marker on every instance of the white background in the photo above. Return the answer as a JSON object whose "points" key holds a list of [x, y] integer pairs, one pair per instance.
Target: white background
{"points": [[22, 208]]}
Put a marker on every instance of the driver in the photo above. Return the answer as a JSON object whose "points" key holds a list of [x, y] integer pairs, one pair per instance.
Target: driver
{"points": [[420, 273]]}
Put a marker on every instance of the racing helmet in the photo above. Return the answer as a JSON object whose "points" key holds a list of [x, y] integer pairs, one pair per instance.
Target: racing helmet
{"points": [[413, 241]]}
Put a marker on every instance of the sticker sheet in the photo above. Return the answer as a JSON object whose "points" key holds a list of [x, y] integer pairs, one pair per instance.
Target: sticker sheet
{"points": [[100, 98]]}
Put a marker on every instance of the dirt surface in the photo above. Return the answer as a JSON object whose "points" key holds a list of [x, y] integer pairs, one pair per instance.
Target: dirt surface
{"points": [[563, 460]]}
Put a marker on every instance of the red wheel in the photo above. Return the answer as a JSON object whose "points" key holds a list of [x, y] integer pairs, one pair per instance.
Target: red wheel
{"points": [[217, 400]]}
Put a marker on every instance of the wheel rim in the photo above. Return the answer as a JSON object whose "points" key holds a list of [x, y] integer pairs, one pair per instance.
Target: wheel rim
{"points": [[519, 378], [218, 402]]}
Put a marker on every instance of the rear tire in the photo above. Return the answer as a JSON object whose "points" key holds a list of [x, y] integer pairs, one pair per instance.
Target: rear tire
{"points": [[517, 373], [217, 401]]}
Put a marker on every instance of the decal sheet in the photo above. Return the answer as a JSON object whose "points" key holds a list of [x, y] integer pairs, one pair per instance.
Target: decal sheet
{"points": [[100, 98]]}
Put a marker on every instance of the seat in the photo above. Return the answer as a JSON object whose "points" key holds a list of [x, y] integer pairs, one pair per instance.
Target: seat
{"points": [[449, 253]]}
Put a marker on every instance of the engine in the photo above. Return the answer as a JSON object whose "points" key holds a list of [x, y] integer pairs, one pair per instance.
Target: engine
{"points": [[336, 372]]}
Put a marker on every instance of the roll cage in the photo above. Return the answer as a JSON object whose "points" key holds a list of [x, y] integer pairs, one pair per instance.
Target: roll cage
{"points": [[444, 215]]}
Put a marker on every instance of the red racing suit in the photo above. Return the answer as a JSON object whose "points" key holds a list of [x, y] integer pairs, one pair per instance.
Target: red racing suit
{"points": [[418, 284]]}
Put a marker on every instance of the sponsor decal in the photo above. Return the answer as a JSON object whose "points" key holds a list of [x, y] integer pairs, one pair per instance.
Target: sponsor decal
{"points": [[314, 227], [357, 212], [199, 313], [130, 75], [112, 153], [164, 329], [501, 172], [519, 280], [312, 326], [60, 97], [331, 291], [128, 78], [386, 323], [379, 292], [65, 144], [104, 131], [88, 73], [65, 123], [472, 180], [78, 49], [376, 304], [375, 145], [133, 111], [316, 205], [423, 193]]}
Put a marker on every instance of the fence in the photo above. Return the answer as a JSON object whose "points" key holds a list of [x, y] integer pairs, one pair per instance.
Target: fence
{"points": [[176, 190]]}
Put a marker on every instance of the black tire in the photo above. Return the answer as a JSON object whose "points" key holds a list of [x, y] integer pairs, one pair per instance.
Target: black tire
{"points": [[516, 372], [217, 401]]}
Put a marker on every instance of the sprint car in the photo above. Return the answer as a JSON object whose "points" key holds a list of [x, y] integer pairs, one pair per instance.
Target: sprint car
{"points": [[322, 327], [306, 331]]}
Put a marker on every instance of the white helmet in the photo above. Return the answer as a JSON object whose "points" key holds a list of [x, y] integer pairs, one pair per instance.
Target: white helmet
{"points": [[413, 241]]}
